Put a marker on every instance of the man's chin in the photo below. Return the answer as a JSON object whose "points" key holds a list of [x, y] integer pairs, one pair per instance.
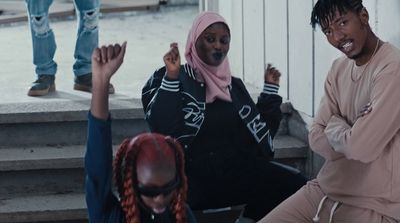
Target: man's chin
{"points": [[352, 56]]}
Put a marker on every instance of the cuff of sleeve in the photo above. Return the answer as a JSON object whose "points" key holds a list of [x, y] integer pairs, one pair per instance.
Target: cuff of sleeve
{"points": [[336, 131], [168, 85], [270, 88], [99, 121]]}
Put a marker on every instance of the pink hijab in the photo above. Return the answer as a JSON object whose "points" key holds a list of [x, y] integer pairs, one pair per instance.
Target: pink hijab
{"points": [[217, 79]]}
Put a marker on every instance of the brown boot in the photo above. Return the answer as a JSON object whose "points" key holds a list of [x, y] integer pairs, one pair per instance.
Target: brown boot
{"points": [[84, 83], [42, 86]]}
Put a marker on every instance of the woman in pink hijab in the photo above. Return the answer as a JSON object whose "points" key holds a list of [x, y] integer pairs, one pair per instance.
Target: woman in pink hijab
{"points": [[227, 137]]}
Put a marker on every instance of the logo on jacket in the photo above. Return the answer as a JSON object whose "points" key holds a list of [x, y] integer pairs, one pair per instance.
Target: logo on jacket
{"points": [[194, 113], [257, 127]]}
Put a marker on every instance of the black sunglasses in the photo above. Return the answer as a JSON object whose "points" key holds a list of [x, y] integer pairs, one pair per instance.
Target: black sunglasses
{"points": [[156, 191]]}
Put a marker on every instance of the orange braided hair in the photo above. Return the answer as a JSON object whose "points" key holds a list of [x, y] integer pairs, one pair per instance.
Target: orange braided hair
{"points": [[126, 177], [180, 199]]}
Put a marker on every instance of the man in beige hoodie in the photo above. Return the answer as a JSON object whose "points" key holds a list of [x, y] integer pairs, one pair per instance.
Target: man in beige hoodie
{"points": [[356, 128]]}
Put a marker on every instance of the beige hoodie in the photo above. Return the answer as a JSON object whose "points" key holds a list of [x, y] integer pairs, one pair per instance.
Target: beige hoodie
{"points": [[362, 155]]}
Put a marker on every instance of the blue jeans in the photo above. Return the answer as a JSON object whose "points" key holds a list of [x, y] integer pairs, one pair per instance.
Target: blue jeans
{"points": [[43, 41]]}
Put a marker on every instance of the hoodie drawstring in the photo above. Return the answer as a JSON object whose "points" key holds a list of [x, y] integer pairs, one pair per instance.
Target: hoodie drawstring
{"points": [[333, 210], [321, 203], [316, 217]]}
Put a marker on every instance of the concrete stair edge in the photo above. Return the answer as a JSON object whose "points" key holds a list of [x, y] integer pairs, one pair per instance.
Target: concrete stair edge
{"points": [[45, 157], [72, 156], [36, 158], [43, 208], [128, 108], [287, 147]]}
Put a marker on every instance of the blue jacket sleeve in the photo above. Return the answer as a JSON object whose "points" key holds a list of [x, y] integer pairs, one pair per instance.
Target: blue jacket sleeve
{"points": [[102, 204]]}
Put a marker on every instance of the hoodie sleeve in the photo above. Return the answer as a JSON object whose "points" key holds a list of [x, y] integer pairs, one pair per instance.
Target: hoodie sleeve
{"points": [[369, 136], [328, 107]]}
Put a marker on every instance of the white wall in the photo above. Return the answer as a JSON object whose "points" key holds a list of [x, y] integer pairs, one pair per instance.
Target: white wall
{"points": [[300, 55], [279, 31], [253, 39], [276, 41], [388, 22]]}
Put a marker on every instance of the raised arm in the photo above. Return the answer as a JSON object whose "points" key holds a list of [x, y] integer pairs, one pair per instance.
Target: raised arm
{"points": [[161, 96], [269, 102], [102, 205]]}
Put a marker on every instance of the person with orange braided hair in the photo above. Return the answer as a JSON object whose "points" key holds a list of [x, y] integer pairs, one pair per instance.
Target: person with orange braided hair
{"points": [[148, 169]]}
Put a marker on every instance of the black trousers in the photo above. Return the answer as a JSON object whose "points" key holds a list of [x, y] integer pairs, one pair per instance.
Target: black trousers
{"points": [[216, 181]]}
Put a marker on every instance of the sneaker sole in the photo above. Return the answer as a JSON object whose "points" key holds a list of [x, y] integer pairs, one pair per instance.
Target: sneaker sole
{"points": [[43, 92], [80, 87]]}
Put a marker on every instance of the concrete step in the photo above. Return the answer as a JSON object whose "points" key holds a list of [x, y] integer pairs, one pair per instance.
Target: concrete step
{"points": [[41, 170], [44, 208], [64, 122], [49, 209], [41, 182], [42, 166], [71, 208], [291, 151], [59, 169], [44, 157], [46, 183], [288, 147], [70, 157]]}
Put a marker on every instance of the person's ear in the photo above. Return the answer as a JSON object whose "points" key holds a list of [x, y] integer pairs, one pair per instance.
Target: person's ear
{"points": [[364, 16]]}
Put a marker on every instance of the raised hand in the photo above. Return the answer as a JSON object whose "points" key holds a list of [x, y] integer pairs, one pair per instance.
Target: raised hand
{"points": [[272, 75], [172, 61], [106, 61]]}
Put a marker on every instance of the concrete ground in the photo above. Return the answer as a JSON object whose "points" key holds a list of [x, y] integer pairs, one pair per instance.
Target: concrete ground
{"points": [[148, 34]]}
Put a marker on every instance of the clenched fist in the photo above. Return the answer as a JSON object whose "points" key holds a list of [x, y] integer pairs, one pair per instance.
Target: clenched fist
{"points": [[172, 61], [272, 75]]}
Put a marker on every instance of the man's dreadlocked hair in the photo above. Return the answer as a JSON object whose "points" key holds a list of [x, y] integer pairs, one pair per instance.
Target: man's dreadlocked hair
{"points": [[125, 174], [324, 10]]}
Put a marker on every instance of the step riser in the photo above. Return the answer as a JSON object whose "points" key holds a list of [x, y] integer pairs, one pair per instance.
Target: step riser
{"points": [[63, 133], [63, 173], [45, 217], [21, 183], [59, 181]]}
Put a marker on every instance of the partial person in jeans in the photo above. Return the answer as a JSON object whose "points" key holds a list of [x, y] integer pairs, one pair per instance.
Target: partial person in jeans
{"points": [[226, 136], [148, 169], [44, 45], [356, 129]]}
